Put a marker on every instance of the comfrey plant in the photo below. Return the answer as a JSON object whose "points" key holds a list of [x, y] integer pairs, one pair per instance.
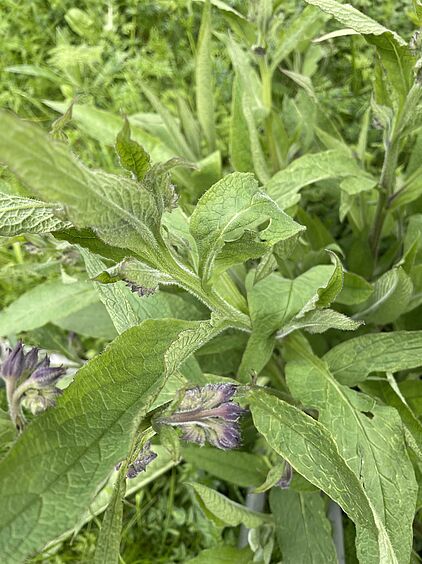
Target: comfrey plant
{"points": [[30, 383], [302, 267]]}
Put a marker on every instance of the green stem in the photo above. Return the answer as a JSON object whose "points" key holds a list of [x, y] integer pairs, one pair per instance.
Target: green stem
{"points": [[386, 190], [266, 79]]}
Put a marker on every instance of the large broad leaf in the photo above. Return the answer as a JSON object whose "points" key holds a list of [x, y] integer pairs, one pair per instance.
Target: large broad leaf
{"points": [[351, 362], [302, 527], [115, 207], [393, 50], [227, 511], [370, 438], [45, 303], [23, 215], [72, 448], [309, 447], [228, 215], [285, 185]]}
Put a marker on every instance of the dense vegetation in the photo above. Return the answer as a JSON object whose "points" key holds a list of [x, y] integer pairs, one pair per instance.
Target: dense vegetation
{"points": [[211, 224]]}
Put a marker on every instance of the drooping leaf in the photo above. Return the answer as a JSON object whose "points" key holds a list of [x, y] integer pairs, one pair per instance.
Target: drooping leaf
{"points": [[227, 511], [370, 437], [284, 186], [228, 214], [311, 450], [132, 155], [45, 303], [302, 527], [24, 215], [73, 448], [351, 362]]}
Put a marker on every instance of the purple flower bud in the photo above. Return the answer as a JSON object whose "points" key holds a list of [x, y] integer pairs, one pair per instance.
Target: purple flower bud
{"points": [[31, 360], [286, 478], [145, 457], [45, 375], [207, 414], [14, 363]]}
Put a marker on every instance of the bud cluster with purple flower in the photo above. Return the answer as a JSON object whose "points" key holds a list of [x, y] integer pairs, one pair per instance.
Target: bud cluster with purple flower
{"points": [[29, 382], [208, 414]]}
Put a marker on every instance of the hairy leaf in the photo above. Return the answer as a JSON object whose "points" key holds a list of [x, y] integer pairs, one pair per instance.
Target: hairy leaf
{"points": [[371, 439], [284, 186], [23, 215], [228, 214], [71, 449], [351, 362], [132, 156], [311, 450]]}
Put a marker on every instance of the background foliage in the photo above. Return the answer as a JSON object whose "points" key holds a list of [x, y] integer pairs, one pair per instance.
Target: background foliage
{"points": [[298, 225]]}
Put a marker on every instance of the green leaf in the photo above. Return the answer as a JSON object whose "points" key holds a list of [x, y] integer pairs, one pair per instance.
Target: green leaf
{"points": [[251, 105], [285, 185], [72, 448], [226, 510], [24, 215], [273, 302], [240, 149], [301, 30], [274, 475], [370, 437], [107, 549], [319, 321], [351, 362], [302, 528], [223, 555], [133, 156], [391, 395], [228, 214], [92, 320], [311, 450], [392, 293], [392, 49], [45, 303], [179, 141], [355, 290], [204, 78], [132, 270], [240, 468], [115, 208]]}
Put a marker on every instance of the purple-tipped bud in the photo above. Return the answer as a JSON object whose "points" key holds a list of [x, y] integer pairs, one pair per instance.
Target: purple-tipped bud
{"points": [[14, 363], [286, 478], [207, 414], [31, 360], [45, 375], [145, 457]]}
